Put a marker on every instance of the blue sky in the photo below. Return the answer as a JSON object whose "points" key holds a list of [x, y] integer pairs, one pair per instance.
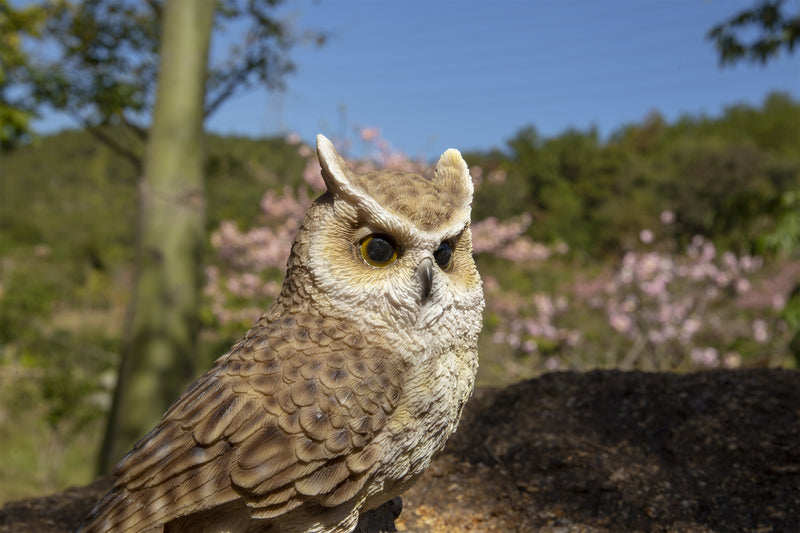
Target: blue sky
{"points": [[469, 74]]}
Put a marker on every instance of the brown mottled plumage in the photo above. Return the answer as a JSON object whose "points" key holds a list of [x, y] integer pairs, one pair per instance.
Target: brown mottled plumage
{"points": [[336, 400]]}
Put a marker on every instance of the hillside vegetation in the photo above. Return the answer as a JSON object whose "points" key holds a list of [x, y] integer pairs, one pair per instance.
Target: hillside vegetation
{"points": [[668, 246]]}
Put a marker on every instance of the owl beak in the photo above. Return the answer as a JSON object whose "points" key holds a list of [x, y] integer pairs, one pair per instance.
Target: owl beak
{"points": [[425, 276]]}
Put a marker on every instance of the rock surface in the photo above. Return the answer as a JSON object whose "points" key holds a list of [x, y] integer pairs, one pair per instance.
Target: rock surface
{"points": [[603, 451]]}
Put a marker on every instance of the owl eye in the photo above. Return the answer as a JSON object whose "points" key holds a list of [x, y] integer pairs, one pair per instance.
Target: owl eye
{"points": [[378, 250], [444, 256]]}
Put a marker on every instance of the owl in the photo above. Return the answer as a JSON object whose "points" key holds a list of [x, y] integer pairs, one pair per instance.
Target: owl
{"points": [[339, 396]]}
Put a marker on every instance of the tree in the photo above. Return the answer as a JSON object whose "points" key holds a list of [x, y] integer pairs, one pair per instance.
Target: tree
{"points": [[162, 331], [16, 111], [98, 61], [776, 30]]}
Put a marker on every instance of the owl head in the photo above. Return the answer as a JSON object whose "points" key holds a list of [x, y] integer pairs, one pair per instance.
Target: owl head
{"points": [[392, 250]]}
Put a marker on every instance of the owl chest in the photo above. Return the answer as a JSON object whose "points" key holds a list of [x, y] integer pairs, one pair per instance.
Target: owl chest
{"points": [[433, 398]]}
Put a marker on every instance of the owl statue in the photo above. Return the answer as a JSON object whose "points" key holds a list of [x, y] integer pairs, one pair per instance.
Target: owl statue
{"points": [[339, 396]]}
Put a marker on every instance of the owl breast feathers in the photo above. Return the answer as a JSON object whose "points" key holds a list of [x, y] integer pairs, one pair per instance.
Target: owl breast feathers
{"points": [[337, 399]]}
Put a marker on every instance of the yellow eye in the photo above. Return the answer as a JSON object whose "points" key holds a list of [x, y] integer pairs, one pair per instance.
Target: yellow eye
{"points": [[379, 250]]}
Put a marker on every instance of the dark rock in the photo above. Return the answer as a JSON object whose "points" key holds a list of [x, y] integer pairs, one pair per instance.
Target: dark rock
{"points": [[615, 451], [604, 451]]}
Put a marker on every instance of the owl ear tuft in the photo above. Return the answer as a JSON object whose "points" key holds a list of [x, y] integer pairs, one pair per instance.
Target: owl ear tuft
{"points": [[452, 172], [337, 175]]}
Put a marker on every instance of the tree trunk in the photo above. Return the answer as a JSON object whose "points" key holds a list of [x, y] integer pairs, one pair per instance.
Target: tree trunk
{"points": [[160, 347]]}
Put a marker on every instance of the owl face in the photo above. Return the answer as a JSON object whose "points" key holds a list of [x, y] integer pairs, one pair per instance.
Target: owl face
{"points": [[393, 250]]}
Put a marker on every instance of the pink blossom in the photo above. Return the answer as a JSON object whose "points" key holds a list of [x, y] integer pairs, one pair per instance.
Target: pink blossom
{"points": [[507, 239], [708, 251], [731, 360], [688, 329], [722, 279], [629, 303], [667, 217], [712, 293], [490, 284], [621, 323], [655, 287], [656, 336], [477, 175], [529, 346], [312, 175], [523, 250], [660, 299], [730, 261], [705, 356], [553, 364], [497, 176], [742, 285], [369, 134], [750, 264], [760, 331], [574, 338]]}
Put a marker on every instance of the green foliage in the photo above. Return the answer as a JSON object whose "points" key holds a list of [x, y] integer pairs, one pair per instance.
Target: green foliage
{"points": [[68, 220], [724, 178], [240, 169], [16, 111], [29, 293], [71, 194], [784, 237], [79, 198], [102, 60], [791, 314], [776, 29]]}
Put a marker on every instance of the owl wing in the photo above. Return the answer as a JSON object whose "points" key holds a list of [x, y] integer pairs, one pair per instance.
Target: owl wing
{"points": [[287, 417]]}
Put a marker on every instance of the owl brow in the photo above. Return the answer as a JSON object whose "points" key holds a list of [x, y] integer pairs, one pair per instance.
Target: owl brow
{"points": [[448, 232], [414, 237], [407, 234], [384, 221], [377, 217]]}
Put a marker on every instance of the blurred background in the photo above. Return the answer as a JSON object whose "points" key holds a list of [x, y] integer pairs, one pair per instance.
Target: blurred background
{"points": [[637, 172]]}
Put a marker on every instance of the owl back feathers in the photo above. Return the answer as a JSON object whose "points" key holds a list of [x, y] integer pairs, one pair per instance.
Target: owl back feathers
{"points": [[288, 422]]}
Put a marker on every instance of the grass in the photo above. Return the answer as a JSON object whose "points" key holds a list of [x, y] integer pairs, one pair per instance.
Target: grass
{"points": [[36, 457]]}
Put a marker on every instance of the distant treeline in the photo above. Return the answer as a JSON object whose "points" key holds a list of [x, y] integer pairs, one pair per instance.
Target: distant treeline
{"points": [[723, 178]]}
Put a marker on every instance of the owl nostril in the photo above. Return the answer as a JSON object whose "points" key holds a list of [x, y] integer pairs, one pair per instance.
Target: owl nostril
{"points": [[425, 277]]}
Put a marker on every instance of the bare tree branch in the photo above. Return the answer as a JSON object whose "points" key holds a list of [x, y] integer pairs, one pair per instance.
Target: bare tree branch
{"points": [[109, 141]]}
